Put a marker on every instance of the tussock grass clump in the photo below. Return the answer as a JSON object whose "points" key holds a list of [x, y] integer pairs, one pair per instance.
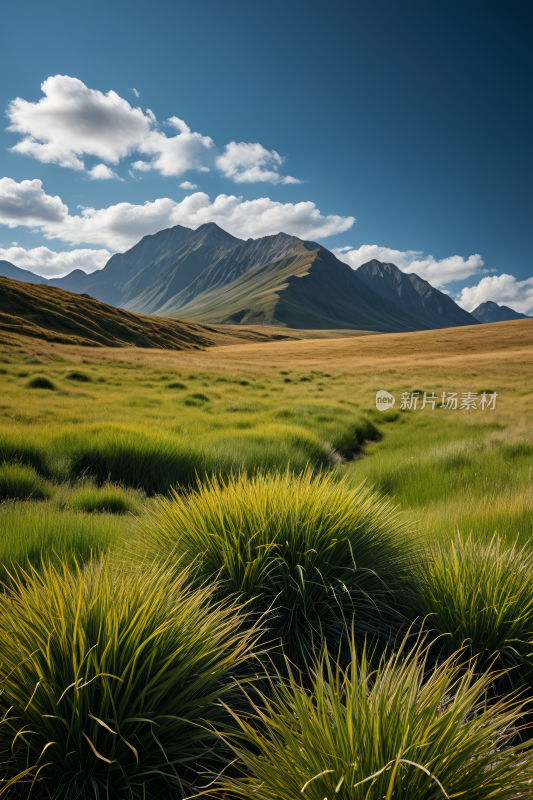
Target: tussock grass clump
{"points": [[113, 499], [26, 449], [41, 382], [480, 596], [33, 531], [113, 677], [80, 377], [148, 461], [309, 549], [21, 482], [393, 732], [265, 448], [176, 385], [36, 449]]}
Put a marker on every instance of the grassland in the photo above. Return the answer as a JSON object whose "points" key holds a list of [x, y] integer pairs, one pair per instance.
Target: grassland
{"points": [[149, 420], [93, 439]]}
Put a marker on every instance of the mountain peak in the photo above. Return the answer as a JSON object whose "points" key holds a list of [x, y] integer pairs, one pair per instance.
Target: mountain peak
{"points": [[375, 267], [415, 294], [213, 235], [492, 312], [208, 271]]}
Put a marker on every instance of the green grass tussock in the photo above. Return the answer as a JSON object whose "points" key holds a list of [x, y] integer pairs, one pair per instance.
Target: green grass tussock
{"points": [[80, 377], [154, 461], [32, 532], [148, 461], [30, 448], [113, 677], [21, 482], [479, 596], [313, 551], [41, 382], [393, 732], [110, 498]]}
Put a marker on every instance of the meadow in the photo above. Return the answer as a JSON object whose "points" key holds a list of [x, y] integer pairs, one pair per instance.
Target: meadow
{"points": [[256, 491]]}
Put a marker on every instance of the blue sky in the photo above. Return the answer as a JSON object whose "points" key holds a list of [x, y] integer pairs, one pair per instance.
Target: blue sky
{"points": [[396, 130]]}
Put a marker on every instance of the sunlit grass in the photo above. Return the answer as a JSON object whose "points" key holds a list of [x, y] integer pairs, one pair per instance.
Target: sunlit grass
{"points": [[21, 482], [397, 731], [113, 677], [111, 498], [308, 550], [35, 531], [479, 596]]}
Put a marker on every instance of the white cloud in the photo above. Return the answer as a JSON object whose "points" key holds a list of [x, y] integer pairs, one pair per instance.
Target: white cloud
{"points": [[446, 270], [135, 92], [72, 120], [100, 172], [176, 154], [26, 203], [44, 262], [250, 162], [436, 272], [188, 185], [502, 289], [120, 226]]}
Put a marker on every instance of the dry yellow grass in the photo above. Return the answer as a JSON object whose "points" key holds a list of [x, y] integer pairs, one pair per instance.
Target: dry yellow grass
{"points": [[507, 342]]}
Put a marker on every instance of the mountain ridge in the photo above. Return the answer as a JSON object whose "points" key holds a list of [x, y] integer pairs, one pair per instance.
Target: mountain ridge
{"points": [[489, 311], [419, 296], [207, 274]]}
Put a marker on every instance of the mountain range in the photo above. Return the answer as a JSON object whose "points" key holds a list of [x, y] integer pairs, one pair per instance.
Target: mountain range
{"points": [[209, 276], [492, 312]]}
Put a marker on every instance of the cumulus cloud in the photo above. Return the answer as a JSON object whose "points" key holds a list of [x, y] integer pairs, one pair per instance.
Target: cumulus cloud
{"points": [[73, 121], [26, 203], [502, 289], [44, 262], [135, 92], [101, 172], [174, 155], [436, 272], [188, 185], [120, 226], [250, 162]]}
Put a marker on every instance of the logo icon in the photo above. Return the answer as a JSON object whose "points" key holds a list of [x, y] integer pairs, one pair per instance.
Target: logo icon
{"points": [[384, 400]]}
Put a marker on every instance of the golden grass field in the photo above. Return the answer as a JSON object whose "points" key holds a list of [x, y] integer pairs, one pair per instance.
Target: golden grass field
{"points": [[485, 486]]}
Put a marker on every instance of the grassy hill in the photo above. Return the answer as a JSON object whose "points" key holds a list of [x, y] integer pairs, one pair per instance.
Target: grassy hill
{"points": [[55, 315]]}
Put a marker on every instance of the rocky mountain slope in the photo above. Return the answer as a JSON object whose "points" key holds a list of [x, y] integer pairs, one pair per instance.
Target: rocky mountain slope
{"points": [[492, 312], [413, 294], [211, 276]]}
